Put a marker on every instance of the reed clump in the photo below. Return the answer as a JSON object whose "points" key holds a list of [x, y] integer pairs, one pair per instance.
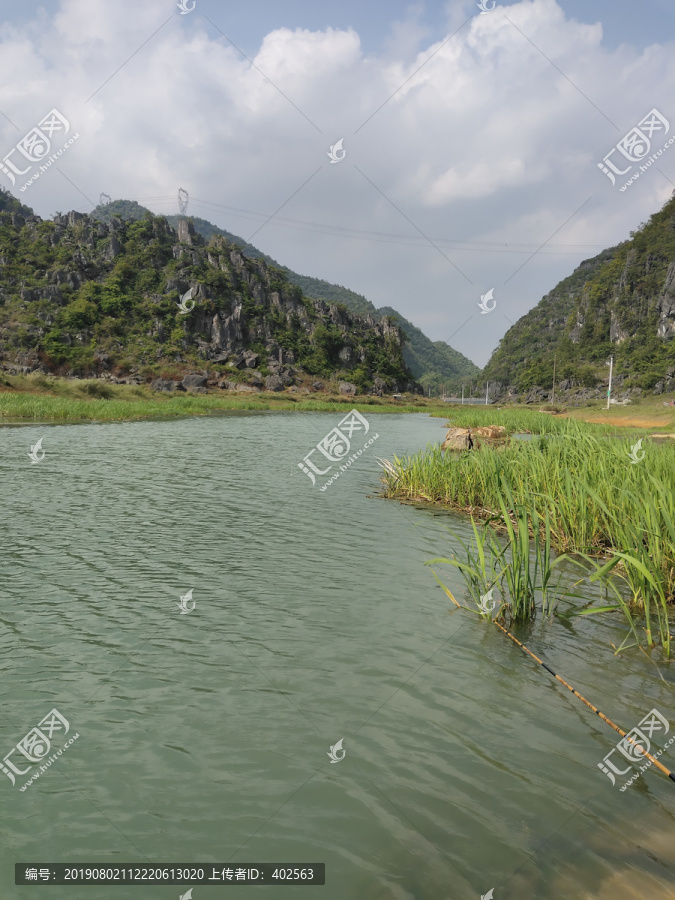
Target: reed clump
{"points": [[584, 492], [522, 566]]}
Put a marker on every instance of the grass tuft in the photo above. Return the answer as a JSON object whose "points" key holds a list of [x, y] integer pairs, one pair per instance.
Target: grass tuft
{"points": [[575, 490]]}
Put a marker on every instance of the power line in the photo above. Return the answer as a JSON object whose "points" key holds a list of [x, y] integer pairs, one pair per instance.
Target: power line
{"points": [[409, 240]]}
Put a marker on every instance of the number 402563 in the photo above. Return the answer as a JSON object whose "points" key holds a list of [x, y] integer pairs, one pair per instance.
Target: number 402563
{"points": [[293, 874]]}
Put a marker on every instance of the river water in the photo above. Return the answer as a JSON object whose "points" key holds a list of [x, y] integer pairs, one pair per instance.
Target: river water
{"points": [[205, 736]]}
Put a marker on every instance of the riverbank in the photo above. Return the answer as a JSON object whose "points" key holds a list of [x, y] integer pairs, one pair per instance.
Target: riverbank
{"points": [[646, 414], [594, 493], [44, 398], [38, 398]]}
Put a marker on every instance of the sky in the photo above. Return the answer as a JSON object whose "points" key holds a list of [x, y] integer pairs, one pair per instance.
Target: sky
{"points": [[470, 142]]}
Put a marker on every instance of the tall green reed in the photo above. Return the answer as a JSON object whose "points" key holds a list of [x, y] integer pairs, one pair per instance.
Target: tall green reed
{"points": [[642, 558], [584, 496], [524, 572]]}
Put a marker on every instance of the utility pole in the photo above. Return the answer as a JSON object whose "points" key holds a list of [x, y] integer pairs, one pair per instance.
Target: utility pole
{"points": [[462, 395], [609, 389], [486, 392], [553, 394]]}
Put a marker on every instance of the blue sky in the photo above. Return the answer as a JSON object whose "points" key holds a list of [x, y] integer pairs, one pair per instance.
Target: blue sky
{"points": [[247, 23], [638, 24], [471, 163]]}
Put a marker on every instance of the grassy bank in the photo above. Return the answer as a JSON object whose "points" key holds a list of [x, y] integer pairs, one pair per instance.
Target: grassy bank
{"points": [[517, 420], [39, 398], [582, 484], [647, 413], [552, 468]]}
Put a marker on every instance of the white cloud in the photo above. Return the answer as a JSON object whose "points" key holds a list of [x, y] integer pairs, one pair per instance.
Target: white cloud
{"points": [[487, 142]]}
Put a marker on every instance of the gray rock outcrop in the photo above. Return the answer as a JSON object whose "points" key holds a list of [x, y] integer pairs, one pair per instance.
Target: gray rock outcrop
{"points": [[193, 381], [162, 384], [346, 387], [274, 383]]}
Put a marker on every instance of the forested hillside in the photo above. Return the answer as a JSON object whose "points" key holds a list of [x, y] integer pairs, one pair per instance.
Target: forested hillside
{"points": [[620, 303], [82, 296], [432, 363]]}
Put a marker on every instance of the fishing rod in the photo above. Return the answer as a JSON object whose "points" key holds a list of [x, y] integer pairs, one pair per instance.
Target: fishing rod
{"points": [[576, 693], [590, 705]]}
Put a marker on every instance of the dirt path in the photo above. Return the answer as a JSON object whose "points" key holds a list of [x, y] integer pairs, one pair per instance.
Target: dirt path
{"points": [[645, 421]]}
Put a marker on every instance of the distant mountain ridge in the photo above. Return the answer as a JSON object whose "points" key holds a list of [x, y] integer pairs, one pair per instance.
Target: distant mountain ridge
{"points": [[433, 363], [620, 303], [84, 297]]}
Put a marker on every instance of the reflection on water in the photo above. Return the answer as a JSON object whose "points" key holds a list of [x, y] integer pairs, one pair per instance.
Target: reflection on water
{"points": [[205, 736]]}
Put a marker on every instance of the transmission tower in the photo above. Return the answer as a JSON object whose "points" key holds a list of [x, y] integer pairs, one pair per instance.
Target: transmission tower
{"points": [[183, 200]]}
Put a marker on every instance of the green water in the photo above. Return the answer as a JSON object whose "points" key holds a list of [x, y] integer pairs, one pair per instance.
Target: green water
{"points": [[204, 737]]}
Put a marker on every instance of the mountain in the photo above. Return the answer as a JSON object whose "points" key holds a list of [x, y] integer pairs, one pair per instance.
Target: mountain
{"points": [[620, 303], [10, 205], [80, 295], [434, 364], [431, 363]]}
